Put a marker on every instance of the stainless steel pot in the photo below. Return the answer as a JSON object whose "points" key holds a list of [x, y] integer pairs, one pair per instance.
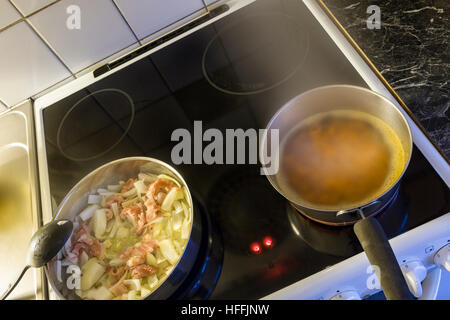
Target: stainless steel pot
{"points": [[367, 229], [110, 173]]}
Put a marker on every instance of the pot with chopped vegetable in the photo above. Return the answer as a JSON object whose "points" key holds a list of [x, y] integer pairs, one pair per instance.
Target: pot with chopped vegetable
{"points": [[135, 233]]}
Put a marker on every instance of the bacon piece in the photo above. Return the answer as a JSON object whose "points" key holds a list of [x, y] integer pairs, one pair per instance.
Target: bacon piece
{"points": [[116, 272], [142, 271], [127, 186], [136, 260], [114, 198], [97, 249], [119, 290]]}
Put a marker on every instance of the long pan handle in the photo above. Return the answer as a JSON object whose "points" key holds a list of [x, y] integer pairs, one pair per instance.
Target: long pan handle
{"points": [[377, 248]]}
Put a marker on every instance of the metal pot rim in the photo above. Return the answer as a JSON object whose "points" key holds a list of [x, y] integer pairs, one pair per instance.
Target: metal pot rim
{"points": [[148, 159], [336, 86]]}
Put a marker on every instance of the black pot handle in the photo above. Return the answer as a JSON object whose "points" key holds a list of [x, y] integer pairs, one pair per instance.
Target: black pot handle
{"points": [[379, 252]]}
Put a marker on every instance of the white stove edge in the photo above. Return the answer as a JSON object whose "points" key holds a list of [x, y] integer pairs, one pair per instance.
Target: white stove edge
{"points": [[421, 141]]}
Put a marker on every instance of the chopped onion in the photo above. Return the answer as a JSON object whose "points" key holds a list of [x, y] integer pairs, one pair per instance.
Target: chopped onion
{"points": [[118, 283], [130, 202], [116, 262], [94, 199], [133, 284], [129, 193], [145, 292], [151, 260], [115, 209], [169, 228], [185, 230], [132, 295], [99, 222], [168, 251], [187, 212], [147, 177], [140, 187], [152, 281], [173, 195], [87, 213], [114, 187], [83, 258], [177, 220]]}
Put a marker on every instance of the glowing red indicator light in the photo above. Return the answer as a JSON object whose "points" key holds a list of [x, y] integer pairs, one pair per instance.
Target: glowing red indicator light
{"points": [[255, 247], [268, 242]]}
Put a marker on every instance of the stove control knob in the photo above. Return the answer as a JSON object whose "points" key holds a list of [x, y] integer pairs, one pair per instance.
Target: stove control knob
{"points": [[442, 258], [347, 295], [414, 273]]}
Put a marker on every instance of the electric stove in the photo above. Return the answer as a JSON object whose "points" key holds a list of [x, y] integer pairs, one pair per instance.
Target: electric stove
{"points": [[233, 73]]}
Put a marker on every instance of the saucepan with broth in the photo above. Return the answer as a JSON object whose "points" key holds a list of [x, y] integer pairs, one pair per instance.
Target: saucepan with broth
{"points": [[342, 152]]}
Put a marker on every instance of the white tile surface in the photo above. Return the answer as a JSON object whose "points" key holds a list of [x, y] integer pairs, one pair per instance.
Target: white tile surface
{"points": [[8, 14], [29, 6], [103, 31], [148, 16], [27, 66]]}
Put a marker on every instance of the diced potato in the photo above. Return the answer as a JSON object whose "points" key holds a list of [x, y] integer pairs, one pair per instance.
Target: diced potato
{"points": [[91, 273]]}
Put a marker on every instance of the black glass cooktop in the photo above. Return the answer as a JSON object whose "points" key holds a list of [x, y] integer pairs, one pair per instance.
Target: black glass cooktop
{"points": [[234, 73]]}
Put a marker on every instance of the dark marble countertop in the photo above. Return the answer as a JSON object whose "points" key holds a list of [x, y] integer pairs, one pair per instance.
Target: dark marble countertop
{"points": [[411, 50]]}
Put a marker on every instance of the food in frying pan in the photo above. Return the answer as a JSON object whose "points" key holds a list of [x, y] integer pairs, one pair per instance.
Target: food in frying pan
{"points": [[129, 237], [340, 159]]}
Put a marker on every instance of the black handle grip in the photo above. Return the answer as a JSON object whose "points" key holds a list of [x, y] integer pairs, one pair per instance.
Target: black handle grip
{"points": [[377, 248]]}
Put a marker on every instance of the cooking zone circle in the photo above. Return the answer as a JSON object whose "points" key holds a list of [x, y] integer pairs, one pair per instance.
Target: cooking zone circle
{"points": [[255, 54], [104, 101]]}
